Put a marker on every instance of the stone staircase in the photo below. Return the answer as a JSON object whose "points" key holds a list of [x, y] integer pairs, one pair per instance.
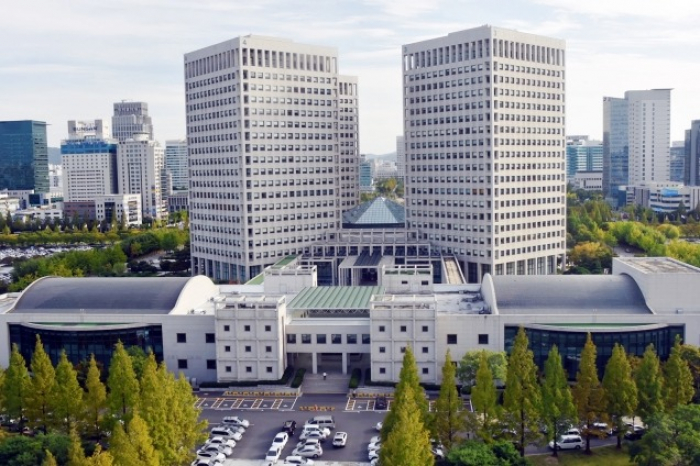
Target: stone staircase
{"points": [[334, 383]]}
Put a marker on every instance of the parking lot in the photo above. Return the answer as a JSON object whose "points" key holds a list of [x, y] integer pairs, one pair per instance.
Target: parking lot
{"points": [[266, 416]]}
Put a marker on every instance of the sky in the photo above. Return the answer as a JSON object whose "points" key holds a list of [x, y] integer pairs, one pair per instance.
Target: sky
{"points": [[63, 61]]}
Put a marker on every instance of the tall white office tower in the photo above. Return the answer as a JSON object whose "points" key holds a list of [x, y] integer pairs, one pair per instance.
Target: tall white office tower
{"points": [[89, 159], [176, 163], [649, 133], [140, 162], [129, 119], [485, 149], [266, 151], [400, 157]]}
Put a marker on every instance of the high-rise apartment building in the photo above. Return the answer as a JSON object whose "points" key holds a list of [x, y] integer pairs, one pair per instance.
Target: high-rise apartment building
{"points": [[131, 118], [272, 139], [140, 163], [583, 155], [176, 163], [89, 159], [24, 158], [692, 142], [636, 140], [485, 149]]}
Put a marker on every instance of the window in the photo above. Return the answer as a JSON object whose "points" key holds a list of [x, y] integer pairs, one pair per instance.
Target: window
{"points": [[182, 363], [382, 370], [403, 349], [210, 338], [336, 339], [227, 328], [268, 369], [182, 338], [321, 338], [424, 329], [425, 370], [268, 349], [246, 328], [403, 328], [425, 350], [306, 338], [211, 364], [268, 328], [227, 349], [381, 328], [451, 339], [365, 338], [483, 339], [228, 368], [291, 338], [382, 349], [249, 369], [351, 339], [248, 349]]}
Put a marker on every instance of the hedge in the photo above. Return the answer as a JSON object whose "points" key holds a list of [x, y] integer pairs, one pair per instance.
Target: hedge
{"points": [[298, 378], [251, 383], [355, 379]]}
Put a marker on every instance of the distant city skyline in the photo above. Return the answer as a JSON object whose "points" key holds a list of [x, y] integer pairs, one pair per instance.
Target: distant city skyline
{"points": [[61, 64]]}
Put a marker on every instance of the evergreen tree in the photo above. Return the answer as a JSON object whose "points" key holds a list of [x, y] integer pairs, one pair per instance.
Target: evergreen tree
{"points": [[76, 455], [588, 392], [485, 402], [449, 416], [123, 452], [67, 396], [100, 458], [190, 429], [408, 444], [649, 381], [408, 377], [156, 400], [43, 381], [522, 398], [16, 386], [122, 383], [49, 460], [558, 409], [141, 441], [95, 399], [679, 380], [620, 390]]}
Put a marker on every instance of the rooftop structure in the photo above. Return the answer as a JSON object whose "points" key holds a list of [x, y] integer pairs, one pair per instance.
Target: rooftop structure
{"points": [[377, 213]]}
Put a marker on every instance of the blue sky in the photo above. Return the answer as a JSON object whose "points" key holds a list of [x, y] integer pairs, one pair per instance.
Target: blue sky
{"points": [[72, 60]]}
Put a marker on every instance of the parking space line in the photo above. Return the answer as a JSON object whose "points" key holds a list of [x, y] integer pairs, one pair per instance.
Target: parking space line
{"points": [[256, 403], [350, 405], [370, 405], [198, 402], [236, 403], [276, 404], [217, 403], [294, 401]]}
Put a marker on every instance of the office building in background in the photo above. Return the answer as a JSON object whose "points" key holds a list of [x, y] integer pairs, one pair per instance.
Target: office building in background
{"points": [[692, 143], [24, 158], [131, 118], [140, 164], [583, 155], [272, 138], [176, 163], [484, 114]]}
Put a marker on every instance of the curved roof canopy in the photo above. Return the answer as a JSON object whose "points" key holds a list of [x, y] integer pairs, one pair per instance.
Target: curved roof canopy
{"points": [[377, 213], [568, 294], [92, 295]]}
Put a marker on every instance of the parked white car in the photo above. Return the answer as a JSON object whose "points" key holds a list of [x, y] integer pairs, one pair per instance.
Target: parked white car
{"points": [[340, 439], [298, 460], [235, 421], [213, 455], [317, 434], [280, 440], [309, 441], [379, 426], [568, 442], [210, 447], [221, 441], [308, 451], [273, 454]]}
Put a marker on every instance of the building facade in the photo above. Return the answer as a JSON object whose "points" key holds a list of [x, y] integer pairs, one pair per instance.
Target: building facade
{"points": [[649, 132], [583, 155], [24, 157], [176, 163], [140, 163], [693, 146], [615, 148], [678, 162], [484, 114], [400, 157], [270, 166], [118, 208], [89, 168], [131, 118]]}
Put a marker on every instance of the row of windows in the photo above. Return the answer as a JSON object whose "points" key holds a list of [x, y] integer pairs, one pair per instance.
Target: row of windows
{"points": [[321, 338]]}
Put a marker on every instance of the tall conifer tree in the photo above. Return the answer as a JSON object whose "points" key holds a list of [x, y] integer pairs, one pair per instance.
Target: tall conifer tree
{"points": [[485, 402], [558, 409], [16, 386], [42, 386], [123, 394], [620, 390], [649, 381], [408, 377], [588, 392], [408, 443], [67, 395], [679, 388], [449, 415], [95, 398]]}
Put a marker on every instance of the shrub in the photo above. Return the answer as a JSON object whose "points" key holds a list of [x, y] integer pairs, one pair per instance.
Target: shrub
{"points": [[298, 378], [355, 378]]}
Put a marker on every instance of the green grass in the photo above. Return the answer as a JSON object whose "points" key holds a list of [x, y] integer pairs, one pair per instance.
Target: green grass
{"points": [[608, 456]]}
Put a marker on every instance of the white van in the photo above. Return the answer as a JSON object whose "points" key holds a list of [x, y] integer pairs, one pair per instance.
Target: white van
{"points": [[568, 442], [322, 421]]}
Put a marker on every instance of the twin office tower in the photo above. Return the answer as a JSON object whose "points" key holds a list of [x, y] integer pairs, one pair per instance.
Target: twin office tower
{"points": [[272, 131]]}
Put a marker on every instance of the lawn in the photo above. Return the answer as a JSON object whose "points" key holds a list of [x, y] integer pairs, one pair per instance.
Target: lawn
{"points": [[609, 456]]}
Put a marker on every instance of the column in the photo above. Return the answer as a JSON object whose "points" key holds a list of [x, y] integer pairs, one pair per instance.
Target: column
{"points": [[345, 363], [314, 363]]}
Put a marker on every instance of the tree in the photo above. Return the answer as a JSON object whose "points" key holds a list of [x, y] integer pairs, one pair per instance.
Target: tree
{"points": [[691, 355], [95, 399], [620, 390], [649, 381], [449, 416], [475, 453], [408, 377], [657, 446], [100, 458], [469, 365], [184, 415], [76, 455], [155, 401], [67, 395], [49, 460], [485, 402], [588, 392], [522, 397], [42, 385], [679, 380], [558, 409], [123, 451], [122, 383], [16, 386], [408, 444], [139, 439]]}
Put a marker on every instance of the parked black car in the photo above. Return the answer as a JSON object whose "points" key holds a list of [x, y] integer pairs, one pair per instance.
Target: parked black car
{"points": [[635, 433], [289, 427], [381, 403]]}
